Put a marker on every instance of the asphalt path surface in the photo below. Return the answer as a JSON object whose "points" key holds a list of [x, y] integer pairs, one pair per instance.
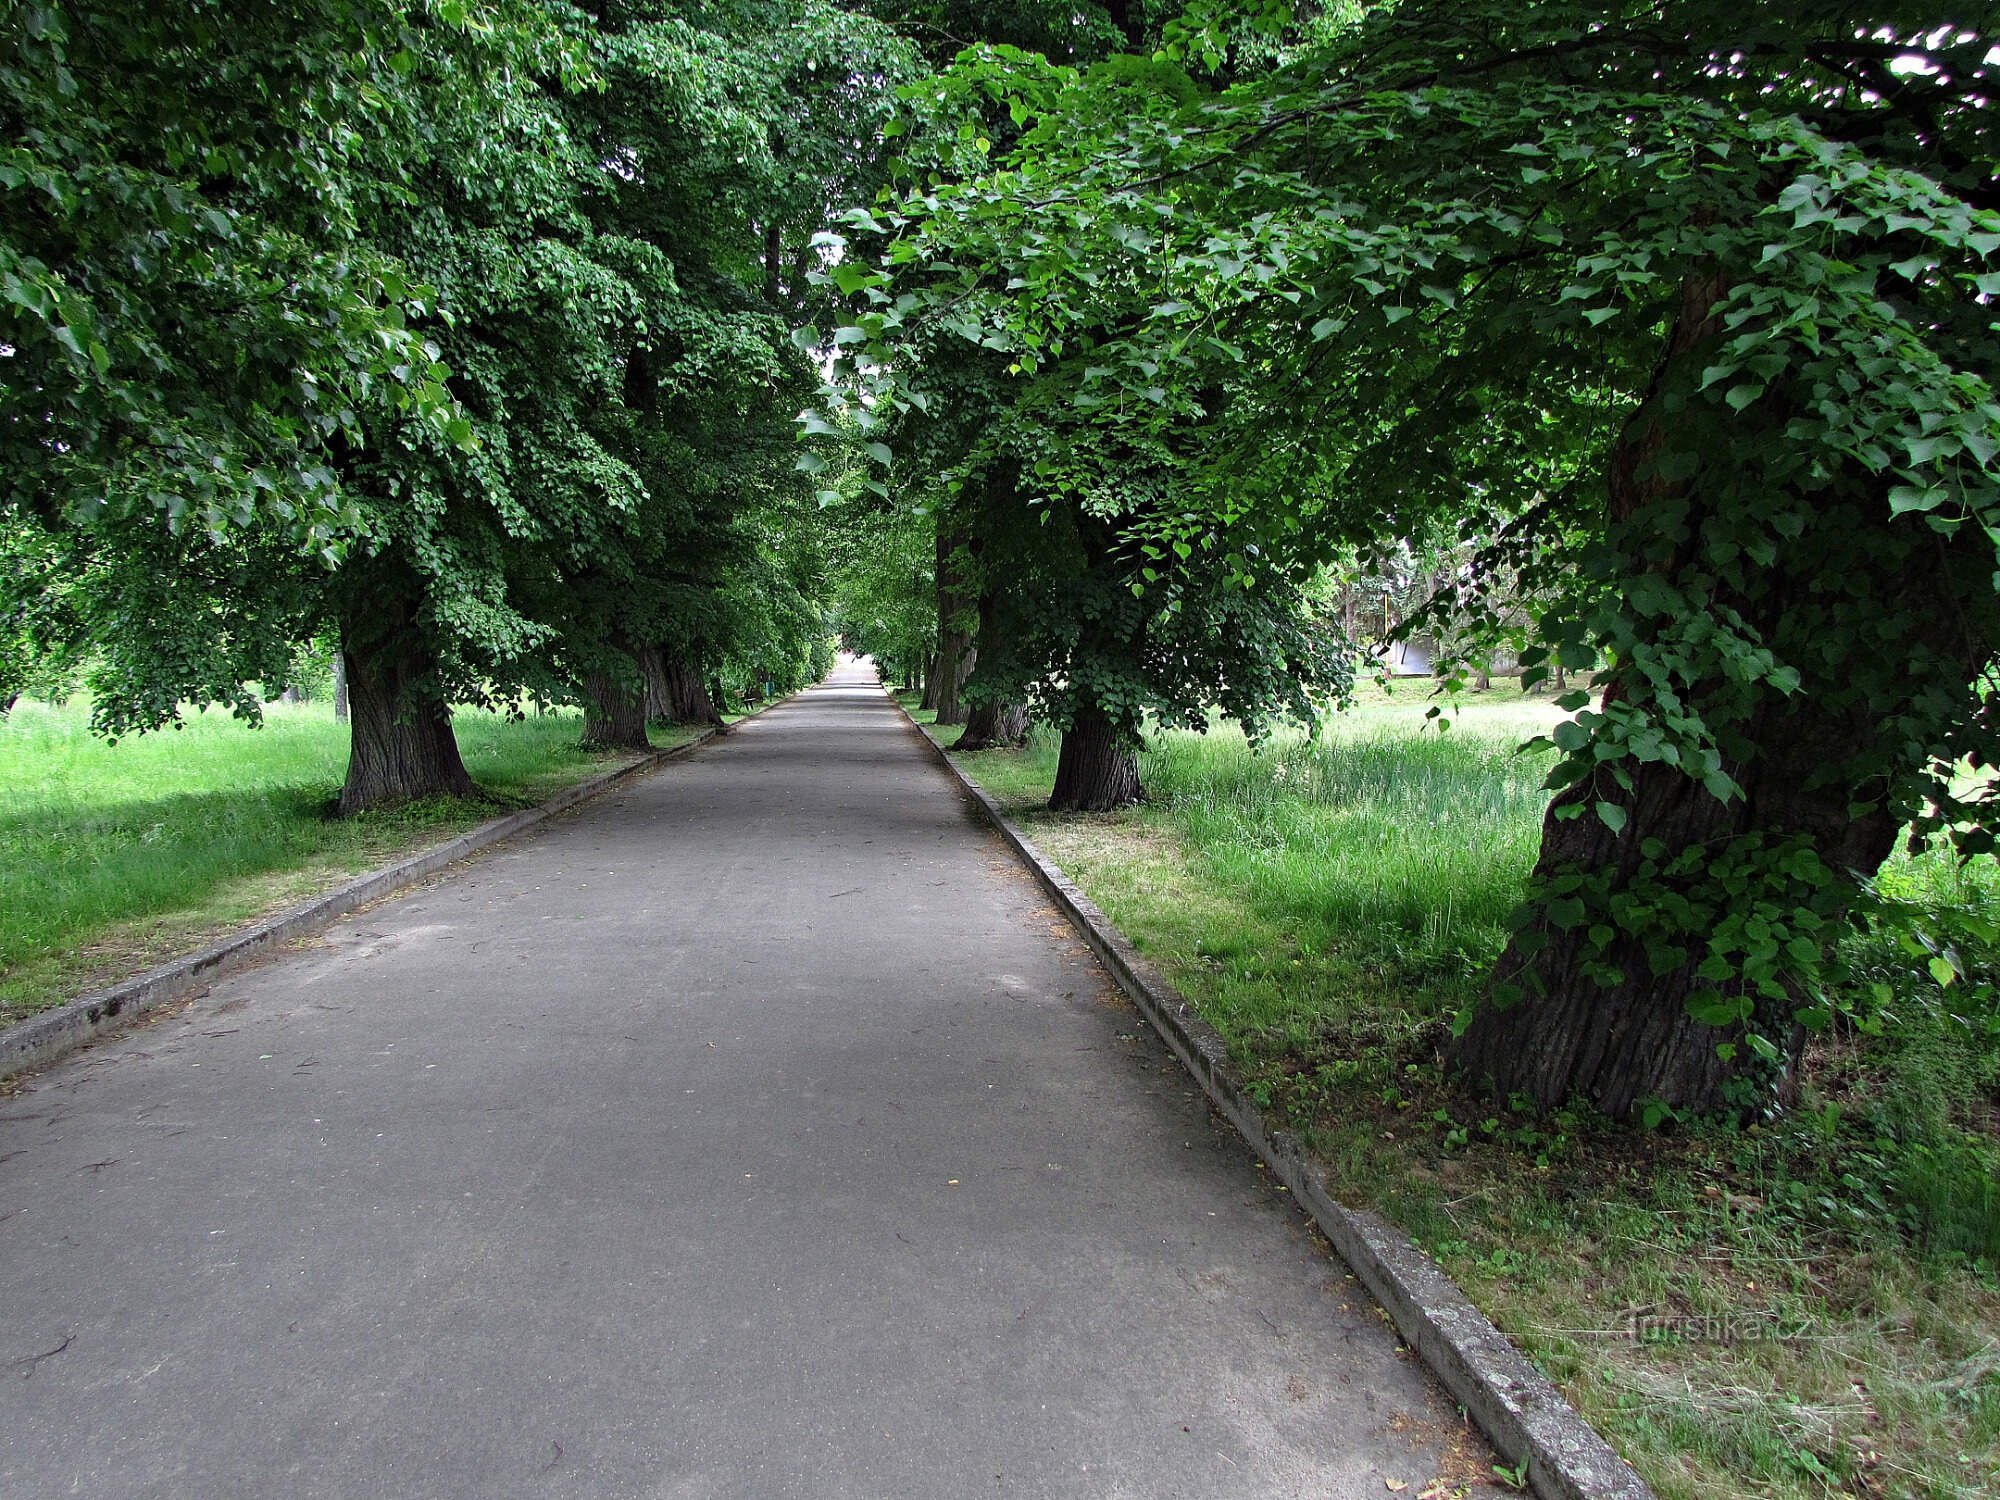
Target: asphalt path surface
{"points": [[757, 1131]]}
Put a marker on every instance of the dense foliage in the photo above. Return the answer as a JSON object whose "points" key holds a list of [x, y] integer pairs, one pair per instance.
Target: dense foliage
{"points": [[465, 331], [461, 329]]}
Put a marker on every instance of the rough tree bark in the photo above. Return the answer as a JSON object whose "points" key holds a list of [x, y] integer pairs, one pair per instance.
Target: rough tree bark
{"points": [[675, 693], [339, 686], [402, 744], [614, 713], [994, 726], [1617, 1046], [1570, 1037], [1098, 767]]}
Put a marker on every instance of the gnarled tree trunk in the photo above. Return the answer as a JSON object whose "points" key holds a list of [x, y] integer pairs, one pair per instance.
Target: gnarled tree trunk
{"points": [[614, 713], [993, 726], [1098, 767], [402, 743], [1617, 1045], [675, 693]]}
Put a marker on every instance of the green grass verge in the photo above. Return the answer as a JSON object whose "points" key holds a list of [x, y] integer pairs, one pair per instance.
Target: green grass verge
{"points": [[1804, 1308], [114, 858]]}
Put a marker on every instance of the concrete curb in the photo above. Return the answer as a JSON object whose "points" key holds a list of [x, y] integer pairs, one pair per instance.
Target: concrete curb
{"points": [[1521, 1413], [43, 1038]]}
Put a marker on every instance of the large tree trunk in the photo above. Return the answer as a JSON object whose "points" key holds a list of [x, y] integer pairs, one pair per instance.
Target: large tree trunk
{"points": [[994, 726], [675, 693], [403, 747], [339, 685], [614, 714], [1567, 1033], [1618, 1046], [1098, 767]]}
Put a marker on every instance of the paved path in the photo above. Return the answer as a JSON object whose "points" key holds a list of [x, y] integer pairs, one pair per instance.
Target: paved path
{"points": [[756, 1132]]}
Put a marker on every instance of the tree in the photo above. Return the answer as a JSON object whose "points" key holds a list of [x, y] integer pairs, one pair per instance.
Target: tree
{"points": [[1091, 627], [533, 422], [212, 335], [1708, 286]]}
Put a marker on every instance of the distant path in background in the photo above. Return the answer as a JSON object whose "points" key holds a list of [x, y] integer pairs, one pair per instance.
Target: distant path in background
{"points": [[757, 1132]]}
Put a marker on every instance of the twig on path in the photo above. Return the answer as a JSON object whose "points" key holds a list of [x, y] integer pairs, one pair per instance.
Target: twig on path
{"points": [[33, 1361]]}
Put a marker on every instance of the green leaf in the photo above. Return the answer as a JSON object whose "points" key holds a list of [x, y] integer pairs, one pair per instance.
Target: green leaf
{"points": [[851, 278]]}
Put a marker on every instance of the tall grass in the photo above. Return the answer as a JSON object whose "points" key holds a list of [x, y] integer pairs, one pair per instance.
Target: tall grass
{"points": [[97, 837], [1419, 842]]}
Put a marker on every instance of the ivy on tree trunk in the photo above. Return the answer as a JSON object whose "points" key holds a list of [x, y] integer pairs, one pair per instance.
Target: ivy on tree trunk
{"points": [[1675, 909]]}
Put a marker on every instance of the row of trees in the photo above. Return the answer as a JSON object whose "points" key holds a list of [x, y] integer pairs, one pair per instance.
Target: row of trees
{"points": [[458, 331], [470, 331], [1676, 316]]}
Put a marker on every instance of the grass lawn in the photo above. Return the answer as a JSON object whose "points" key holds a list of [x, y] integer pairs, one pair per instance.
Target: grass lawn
{"points": [[117, 857], [1807, 1307]]}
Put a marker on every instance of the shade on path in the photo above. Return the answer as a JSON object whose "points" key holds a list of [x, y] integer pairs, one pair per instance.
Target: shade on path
{"points": [[757, 1131]]}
